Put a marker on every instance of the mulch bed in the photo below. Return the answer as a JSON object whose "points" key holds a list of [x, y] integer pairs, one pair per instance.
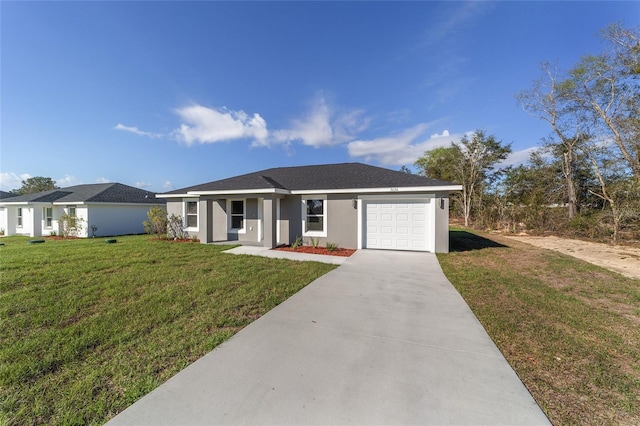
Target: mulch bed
{"points": [[317, 250]]}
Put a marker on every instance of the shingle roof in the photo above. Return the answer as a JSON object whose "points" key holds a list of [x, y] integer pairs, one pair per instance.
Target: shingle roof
{"points": [[96, 193], [320, 177], [5, 195]]}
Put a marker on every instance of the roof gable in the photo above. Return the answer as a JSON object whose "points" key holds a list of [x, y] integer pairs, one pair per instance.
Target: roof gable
{"points": [[316, 178]]}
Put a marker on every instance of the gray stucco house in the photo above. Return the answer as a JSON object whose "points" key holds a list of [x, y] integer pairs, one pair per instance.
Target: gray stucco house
{"points": [[105, 209], [353, 205]]}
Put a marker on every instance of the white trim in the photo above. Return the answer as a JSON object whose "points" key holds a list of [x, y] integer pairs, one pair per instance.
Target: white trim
{"points": [[325, 209], [360, 222], [242, 192], [278, 238], [394, 197], [260, 219], [175, 195], [317, 191], [392, 190], [242, 230]]}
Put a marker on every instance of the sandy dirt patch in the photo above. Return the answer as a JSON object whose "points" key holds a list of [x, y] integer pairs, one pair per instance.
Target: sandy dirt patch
{"points": [[621, 259]]}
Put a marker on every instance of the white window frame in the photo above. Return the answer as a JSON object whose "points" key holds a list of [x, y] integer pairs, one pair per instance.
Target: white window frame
{"points": [[19, 217], [230, 215], [185, 208], [325, 221], [48, 220], [75, 210]]}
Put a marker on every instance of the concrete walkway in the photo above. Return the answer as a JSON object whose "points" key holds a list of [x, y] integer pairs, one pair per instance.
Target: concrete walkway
{"points": [[278, 254], [382, 339]]}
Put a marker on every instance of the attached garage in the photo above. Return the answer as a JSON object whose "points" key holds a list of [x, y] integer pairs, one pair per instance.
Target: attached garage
{"points": [[398, 224]]}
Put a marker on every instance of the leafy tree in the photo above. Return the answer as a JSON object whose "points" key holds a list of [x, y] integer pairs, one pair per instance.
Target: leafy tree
{"points": [[405, 169], [479, 155], [35, 184], [441, 163], [157, 223], [469, 163]]}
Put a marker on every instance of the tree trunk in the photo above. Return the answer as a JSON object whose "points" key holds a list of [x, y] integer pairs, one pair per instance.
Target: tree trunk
{"points": [[569, 175]]}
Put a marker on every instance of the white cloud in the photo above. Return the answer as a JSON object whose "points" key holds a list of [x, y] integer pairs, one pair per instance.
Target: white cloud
{"points": [[142, 185], [321, 127], [518, 157], [402, 148], [208, 125], [10, 180], [67, 180], [167, 185], [136, 131], [103, 179]]}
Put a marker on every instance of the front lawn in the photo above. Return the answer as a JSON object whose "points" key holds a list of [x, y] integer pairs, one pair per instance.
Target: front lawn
{"points": [[570, 330], [87, 328]]}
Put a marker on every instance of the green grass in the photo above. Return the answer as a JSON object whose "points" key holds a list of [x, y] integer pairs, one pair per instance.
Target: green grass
{"points": [[87, 328], [569, 329]]}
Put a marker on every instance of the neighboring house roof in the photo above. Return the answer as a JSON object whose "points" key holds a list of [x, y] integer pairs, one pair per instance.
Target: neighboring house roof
{"points": [[91, 193], [330, 177], [4, 195]]}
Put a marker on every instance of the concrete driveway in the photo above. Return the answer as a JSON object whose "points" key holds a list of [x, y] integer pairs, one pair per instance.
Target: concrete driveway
{"points": [[382, 339]]}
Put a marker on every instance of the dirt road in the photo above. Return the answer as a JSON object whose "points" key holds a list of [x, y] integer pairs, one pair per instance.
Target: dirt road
{"points": [[622, 259]]}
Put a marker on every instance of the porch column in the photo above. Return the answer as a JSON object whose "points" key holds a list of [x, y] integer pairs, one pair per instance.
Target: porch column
{"points": [[205, 221], [269, 222]]}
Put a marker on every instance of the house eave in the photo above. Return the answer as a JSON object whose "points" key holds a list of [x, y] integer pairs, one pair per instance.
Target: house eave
{"points": [[226, 192], [392, 190]]}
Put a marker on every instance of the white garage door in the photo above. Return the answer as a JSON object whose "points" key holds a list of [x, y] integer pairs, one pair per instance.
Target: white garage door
{"points": [[396, 225]]}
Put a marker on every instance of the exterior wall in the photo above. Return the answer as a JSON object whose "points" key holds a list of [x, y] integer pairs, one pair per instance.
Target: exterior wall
{"points": [[4, 226], [27, 227], [342, 221], [290, 219], [441, 224], [115, 219], [175, 206]]}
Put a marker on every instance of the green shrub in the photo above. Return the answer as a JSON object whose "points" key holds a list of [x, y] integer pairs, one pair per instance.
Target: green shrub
{"points": [[332, 246]]}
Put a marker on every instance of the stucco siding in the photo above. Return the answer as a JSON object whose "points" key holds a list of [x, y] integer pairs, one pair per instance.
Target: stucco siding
{"points": [[441, 225], [290, 219], [3, 221], [116, 220], [175, 207], [342, 221]]}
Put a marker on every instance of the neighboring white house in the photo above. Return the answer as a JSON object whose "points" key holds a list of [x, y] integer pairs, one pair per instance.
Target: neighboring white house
{"points": [[351, 204], [105, 209]]}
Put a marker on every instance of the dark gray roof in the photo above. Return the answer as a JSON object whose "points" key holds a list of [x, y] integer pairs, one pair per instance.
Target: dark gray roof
{"points": [[5, 195], [92, 193], [321, 177]]}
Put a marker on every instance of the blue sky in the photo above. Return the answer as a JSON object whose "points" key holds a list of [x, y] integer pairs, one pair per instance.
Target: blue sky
{"points": [[163, 95]]}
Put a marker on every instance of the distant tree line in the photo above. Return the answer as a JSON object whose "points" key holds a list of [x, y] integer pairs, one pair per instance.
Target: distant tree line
{"points": [[584, 179]]}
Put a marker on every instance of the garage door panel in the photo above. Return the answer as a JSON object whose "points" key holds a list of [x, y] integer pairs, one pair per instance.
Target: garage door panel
{"points": [[400, 225]]}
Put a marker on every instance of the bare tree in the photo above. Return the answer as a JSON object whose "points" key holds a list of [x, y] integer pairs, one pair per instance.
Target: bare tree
{"points": [[605, 90], [545, 101]]}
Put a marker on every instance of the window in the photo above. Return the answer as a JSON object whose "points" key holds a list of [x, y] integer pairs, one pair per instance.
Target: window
{"points": [[192, 214], [71, 210], [48, 216], [20, 216], [237, 214], [315, 216]]}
